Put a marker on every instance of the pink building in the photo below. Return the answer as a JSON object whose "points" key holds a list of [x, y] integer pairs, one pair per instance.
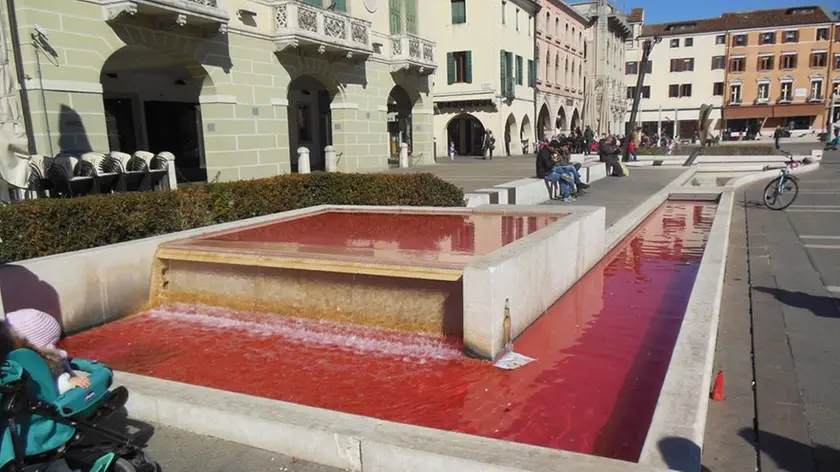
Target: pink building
{"points": [[561, 43]]}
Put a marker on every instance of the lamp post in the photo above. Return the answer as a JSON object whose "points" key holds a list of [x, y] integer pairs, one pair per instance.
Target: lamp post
{"points": [[647, 46]]}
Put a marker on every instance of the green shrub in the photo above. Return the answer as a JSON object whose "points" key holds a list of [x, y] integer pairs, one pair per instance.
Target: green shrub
{"points": [[720, 150], [36, 228]]}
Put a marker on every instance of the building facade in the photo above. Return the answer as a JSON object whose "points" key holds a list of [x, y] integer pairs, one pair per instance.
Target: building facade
{"points": [[604, 101], [778, 69], [487, 76], [560, 68], [686, 70], [834, 107], [232, 87]]}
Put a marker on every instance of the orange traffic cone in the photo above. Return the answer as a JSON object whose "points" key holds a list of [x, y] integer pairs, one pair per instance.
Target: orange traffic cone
{"points": [[717, 390]]}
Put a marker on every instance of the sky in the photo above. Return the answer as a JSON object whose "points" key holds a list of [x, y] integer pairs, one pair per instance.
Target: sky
{"points": [[666, 11]]}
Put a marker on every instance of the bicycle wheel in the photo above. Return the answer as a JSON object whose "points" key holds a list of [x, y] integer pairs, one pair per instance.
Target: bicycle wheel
{"points": [[776, 198]]}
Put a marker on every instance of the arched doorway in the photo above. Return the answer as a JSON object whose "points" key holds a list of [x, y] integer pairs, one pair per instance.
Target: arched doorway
{"points": [[575, 119], [543, 123], [511, 130], [151, 102], [466, 133], [399, 119], [526, 135], [310, 120], [561, 123]]}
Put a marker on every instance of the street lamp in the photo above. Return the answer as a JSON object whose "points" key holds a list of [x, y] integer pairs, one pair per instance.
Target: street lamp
{"points": [[647, 46]]}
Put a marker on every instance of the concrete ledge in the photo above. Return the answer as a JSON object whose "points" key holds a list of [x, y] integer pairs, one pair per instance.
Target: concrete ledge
{"points": [[528, 191], [472, 200], [342, 440], [594, 172], [770, 174], [527, 274]]}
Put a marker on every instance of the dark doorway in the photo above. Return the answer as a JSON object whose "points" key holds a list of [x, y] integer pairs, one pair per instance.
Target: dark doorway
{"points": [[467, 133], [399, 120], [176, 127], [310, 121], [119, 116]]}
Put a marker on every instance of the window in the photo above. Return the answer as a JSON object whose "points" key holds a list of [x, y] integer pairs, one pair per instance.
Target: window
{"points": [[822, 34], [837, 62], [649, 67], [459, 67], [631, 68], [788, 61], [519, 70], [548, 23], [673, 90], [717, 89], [767, 38], [786, 94], [836, 89], [739, 40], [765, 63], [735, 93], [532, 73], [685, 90], [631, 93], [791, 36], [411, 16], [504, 12], [507, 78], [395, 16], [736, 64], [675, 43], [689, 42], [459, 11], [816, 90], [682, 65], [718, 62], [646, 91], [818, 59], [341, 5], [764, 92], [557, 69], [557, 27], [517, 19], [720, 39]]}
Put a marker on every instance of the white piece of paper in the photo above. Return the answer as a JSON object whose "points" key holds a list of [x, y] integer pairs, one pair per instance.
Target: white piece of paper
{"points": [[512, 360]]}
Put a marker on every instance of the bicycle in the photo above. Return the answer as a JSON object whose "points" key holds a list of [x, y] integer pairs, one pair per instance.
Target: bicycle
{"points": [[785, 184]]}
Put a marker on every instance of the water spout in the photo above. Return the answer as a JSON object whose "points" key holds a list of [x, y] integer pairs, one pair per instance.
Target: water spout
{"points": [[506, 326]]}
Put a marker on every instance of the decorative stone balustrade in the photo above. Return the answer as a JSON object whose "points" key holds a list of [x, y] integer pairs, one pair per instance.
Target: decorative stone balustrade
{"points": [[298, 25], [208, 15], [410, 52]]}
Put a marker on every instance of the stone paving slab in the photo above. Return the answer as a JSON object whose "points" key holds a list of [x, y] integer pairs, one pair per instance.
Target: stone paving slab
{"points": [[472, 173]]}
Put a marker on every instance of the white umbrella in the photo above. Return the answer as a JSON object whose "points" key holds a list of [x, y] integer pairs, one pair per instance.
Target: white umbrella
{"points": [[14, 157]]}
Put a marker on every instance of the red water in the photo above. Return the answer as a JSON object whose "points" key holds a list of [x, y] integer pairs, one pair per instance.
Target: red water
{"points": [[453, 233], [601, 354]]}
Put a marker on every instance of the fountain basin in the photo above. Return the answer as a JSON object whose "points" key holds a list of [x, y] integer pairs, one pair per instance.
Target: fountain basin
{"points": [[439, 271]]}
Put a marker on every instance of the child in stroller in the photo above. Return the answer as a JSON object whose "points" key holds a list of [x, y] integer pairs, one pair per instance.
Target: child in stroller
{"points": [[44, 430]]}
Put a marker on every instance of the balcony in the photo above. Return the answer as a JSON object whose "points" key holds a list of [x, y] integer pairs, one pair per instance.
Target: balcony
{"points": [[208, 15], [297, 25], [412, 53]]}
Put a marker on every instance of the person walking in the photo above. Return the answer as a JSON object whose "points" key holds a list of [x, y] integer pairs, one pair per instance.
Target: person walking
{"points": [[777, 135], [588, 135]]}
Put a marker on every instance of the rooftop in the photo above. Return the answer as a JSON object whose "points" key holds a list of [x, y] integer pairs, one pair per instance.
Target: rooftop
{"points": [[777, 17]]}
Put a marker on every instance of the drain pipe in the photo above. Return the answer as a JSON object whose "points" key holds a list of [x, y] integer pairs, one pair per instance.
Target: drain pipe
{"points": [[21, 75]]}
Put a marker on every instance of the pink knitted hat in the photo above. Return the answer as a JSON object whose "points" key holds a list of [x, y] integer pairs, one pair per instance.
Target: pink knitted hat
{"points": [[39, 328]]}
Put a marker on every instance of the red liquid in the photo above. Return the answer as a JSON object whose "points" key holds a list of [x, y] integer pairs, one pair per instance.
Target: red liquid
{"points": [[601, 354]]}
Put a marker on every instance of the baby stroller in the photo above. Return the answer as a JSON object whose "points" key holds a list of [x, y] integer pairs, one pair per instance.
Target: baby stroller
{"points": [[41, 428]]}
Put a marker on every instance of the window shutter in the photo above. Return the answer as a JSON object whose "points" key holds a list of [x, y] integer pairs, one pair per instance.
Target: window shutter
{"points": [[396, 16], [468, 71], [450, 68], [341, 5], [503, 58], [411, 16], [317, 3], [532, 74]]}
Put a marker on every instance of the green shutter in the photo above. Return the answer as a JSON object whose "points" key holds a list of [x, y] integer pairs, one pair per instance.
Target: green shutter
{"points": [[341, 5], [509, 72], [411, 16], [520, 72], [317, 3], [396, 16], [532, 74], [459, 12], [450, 68], [503, 72], [468, 72]]}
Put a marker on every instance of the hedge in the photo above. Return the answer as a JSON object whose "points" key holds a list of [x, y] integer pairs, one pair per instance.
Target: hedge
{"points": [[720, 150], [42, 227]]}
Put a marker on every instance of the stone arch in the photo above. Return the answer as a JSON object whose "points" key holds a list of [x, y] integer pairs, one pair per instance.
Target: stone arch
{"points": [[561, 122], [466, 132], [511, 131], [575, 119], [526, 134], [544, 129], [400, 123], [310, 119]]}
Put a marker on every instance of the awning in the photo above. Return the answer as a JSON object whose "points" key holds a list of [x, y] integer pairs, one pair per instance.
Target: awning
{"points": [[774, 111]]}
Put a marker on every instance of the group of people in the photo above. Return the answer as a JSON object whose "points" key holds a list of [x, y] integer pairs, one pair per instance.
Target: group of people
{"points": [[560, 174]]}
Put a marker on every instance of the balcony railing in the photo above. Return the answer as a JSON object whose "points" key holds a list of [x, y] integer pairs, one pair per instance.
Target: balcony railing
{"points": [[410, 52], [206, 14], [298, 25]]}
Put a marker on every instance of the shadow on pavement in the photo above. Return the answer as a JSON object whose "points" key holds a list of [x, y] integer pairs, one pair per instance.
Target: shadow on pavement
{"points": [[793, 456], [680, 454], [819, 305]]}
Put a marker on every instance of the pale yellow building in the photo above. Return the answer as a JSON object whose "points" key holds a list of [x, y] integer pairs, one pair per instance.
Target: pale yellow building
{"points": [[486, 80], [231, 87]]}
